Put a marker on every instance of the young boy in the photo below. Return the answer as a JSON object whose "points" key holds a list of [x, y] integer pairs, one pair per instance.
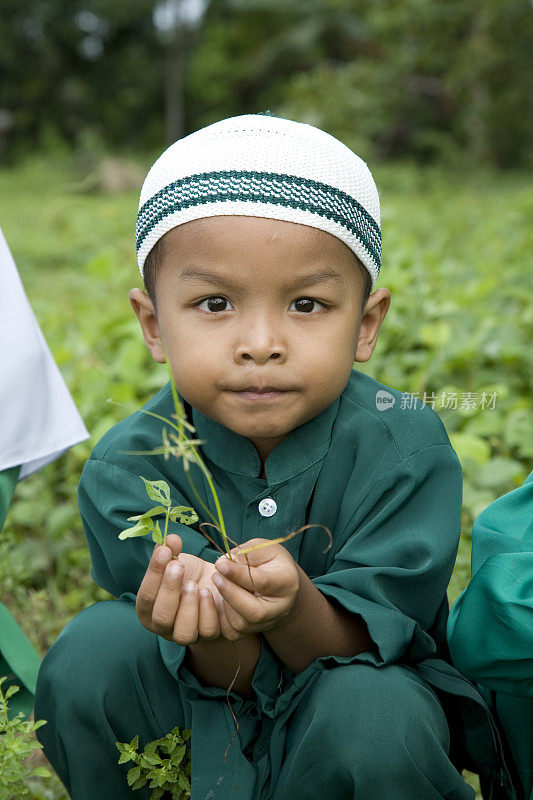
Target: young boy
{"points": [[259, 242]]}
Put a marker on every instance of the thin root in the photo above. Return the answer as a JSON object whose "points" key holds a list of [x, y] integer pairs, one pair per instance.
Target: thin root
{"points": [[229, 704]]}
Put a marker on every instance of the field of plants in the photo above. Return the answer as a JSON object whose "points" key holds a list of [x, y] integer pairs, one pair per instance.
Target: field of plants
{"points": [[456, 258]]}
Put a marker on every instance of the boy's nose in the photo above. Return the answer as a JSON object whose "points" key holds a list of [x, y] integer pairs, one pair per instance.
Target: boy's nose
{"points": [[260, 340], [259, 355]]}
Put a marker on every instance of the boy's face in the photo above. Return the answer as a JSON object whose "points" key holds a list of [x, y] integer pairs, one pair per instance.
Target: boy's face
{"points": [[251, 325]]}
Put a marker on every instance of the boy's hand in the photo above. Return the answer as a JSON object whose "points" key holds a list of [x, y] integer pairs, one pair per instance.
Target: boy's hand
{"points": [[257, 604], [166, 606]]}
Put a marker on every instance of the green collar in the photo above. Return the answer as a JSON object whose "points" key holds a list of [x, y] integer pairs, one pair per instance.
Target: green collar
{"points": [[302, 448]]}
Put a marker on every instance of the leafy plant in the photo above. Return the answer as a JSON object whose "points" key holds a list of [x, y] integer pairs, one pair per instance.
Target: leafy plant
{"points": [[165, 762], [179, 445], [16, 743], [159, 491]]}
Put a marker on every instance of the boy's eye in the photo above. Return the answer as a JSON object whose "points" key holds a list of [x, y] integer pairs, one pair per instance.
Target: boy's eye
{"points": [[214, 303], [306, 304], [218, 303]]}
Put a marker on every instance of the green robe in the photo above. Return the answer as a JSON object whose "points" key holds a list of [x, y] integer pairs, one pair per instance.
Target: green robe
{"points": [[388, 485], [19, 661], [490, 628]]}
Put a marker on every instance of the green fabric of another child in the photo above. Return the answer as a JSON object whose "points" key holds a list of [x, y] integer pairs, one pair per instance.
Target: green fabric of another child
{"points": [[490, 627], [19, 661], [8, 482]]}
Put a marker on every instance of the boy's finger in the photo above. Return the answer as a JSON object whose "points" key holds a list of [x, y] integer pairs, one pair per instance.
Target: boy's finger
{"points": [[243, 602], [149, 588], [186, 623], [208, 622], [226, 630], [259, 582], [168, 599], [255, 557]]}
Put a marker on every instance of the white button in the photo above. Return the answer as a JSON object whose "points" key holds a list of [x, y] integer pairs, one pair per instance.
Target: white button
{"points": [[267, 507]]}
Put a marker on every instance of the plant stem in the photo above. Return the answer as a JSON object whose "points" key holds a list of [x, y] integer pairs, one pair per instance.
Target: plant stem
{"points": [[166, 525], [178, 408], [215, 498]]}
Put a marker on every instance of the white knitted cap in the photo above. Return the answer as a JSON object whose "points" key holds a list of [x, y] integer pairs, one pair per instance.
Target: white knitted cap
{"points": [[257, 165]]}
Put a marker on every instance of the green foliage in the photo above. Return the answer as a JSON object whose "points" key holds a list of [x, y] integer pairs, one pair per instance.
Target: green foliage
{"points": [[412, 78], [17, 741], [165, 762], [395, 78], [144, 523]]}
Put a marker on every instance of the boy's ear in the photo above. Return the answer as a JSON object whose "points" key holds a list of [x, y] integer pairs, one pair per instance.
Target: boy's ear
{"points": [[145, 313], [373, 315]]}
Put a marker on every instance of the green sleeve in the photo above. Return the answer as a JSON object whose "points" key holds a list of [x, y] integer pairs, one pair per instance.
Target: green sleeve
{"points": [[8, 481], [399, 552], [107, 496], [19, 661], [490, 628]]}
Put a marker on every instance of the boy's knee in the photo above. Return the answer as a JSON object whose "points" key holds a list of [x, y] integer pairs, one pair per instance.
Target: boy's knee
{"points": [[90, 654], [382, 709], [373, 732]]}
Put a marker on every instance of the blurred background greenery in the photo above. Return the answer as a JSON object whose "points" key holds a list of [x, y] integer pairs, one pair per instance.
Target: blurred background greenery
{"points": [[394, 78], [434, 96]]}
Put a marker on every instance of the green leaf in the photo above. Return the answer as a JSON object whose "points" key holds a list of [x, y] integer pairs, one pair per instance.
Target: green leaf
{"points": [[183, 514], [133, 774], [41, 772], [151, 747], [10, 691], [177, 755], [500, 473], [141, 529], [435, 334], [184, 782], [158, 491], [157, 536], [159, 779], [147, 514], [139, 783], [148, 760], [470, 446], [519, 431]]}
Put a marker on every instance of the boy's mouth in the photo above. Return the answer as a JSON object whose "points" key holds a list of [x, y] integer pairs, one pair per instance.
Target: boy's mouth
{"points": [[260, 392]]}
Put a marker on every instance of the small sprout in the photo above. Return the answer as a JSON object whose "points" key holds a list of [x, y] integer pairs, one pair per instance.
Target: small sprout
{"points": [[165, 762], [160, 492], [16, 742]]}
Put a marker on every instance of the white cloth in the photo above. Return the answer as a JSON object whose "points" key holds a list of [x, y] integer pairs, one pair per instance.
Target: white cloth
{"points": [[38, 418]]}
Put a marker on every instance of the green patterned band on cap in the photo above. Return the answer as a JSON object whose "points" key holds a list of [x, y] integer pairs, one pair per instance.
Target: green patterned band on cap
{"points": [[259, 188]]}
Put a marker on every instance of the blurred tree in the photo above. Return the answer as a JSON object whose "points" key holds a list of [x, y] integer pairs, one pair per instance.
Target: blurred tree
{"points": [[109, 72], [69, 67], [394, 78], [176, 21]]}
